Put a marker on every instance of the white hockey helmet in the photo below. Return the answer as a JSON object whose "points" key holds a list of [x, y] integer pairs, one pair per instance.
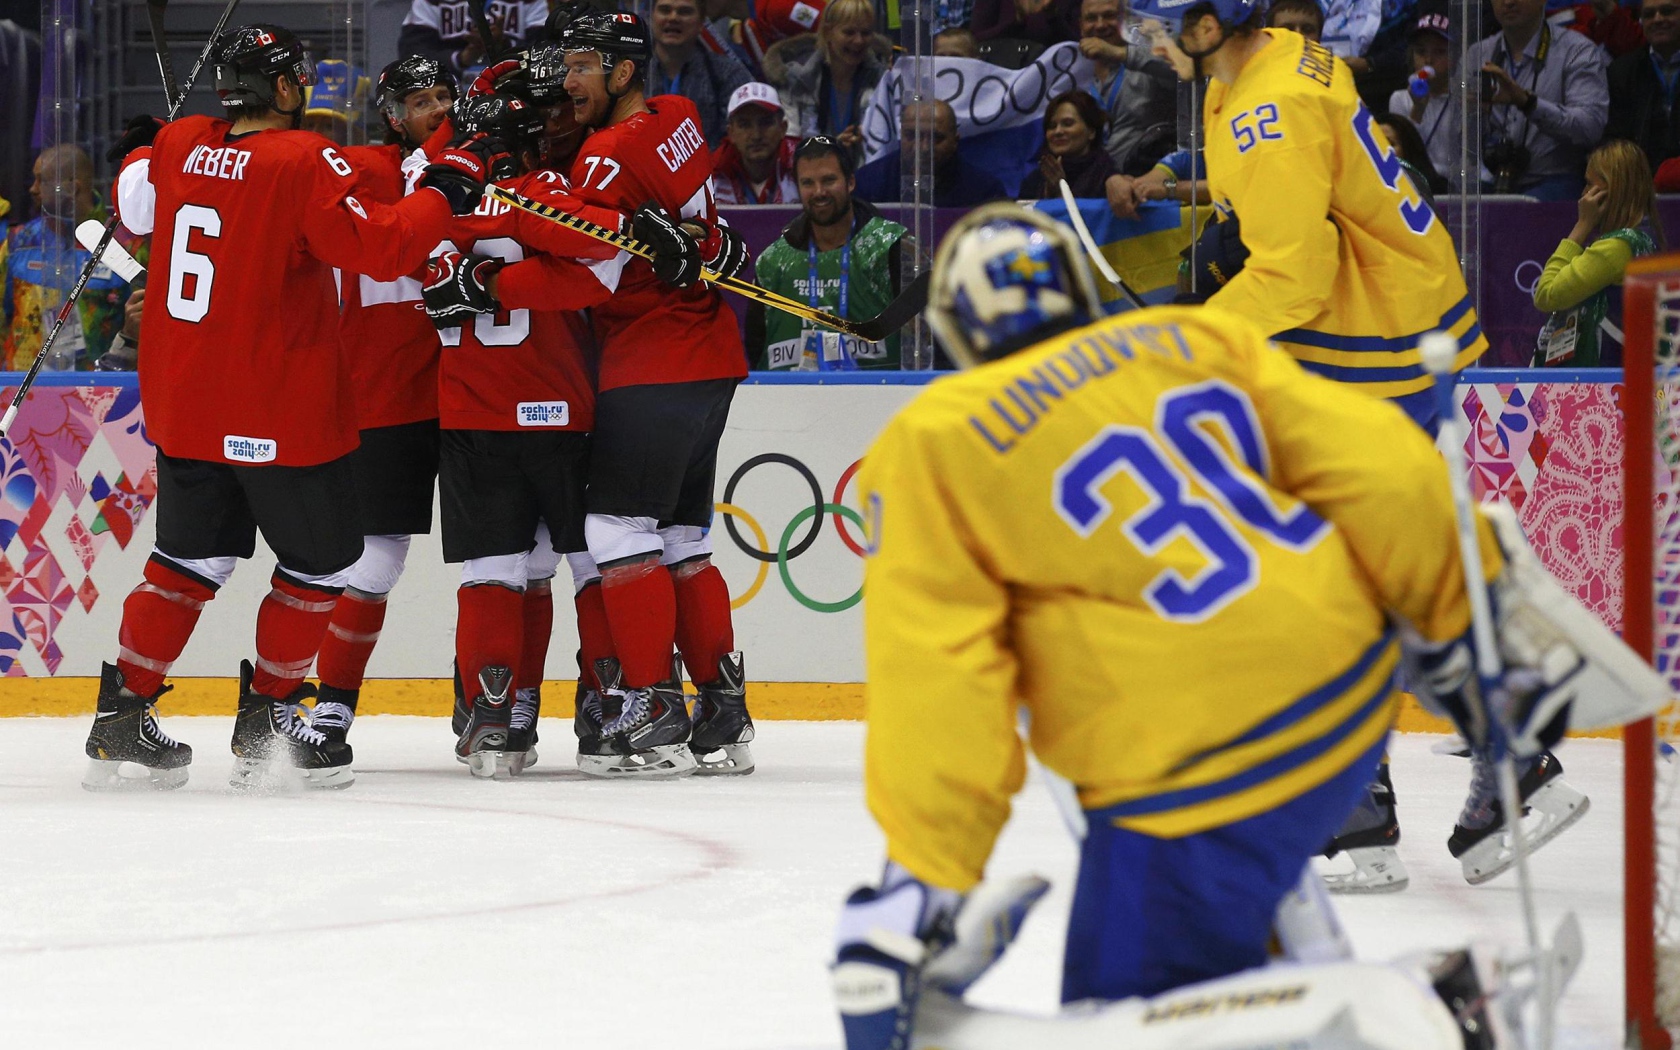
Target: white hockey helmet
{"points": [[1007, 277]]}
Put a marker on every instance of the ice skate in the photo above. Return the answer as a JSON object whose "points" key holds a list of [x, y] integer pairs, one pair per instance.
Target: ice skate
{"points": [[484, 742], [458, 721], [592, 748], [1481, 841], [127, 750], [522, 724], [332, 714], [275, 748], [644, 732], [1362, 858], [722, 727]]}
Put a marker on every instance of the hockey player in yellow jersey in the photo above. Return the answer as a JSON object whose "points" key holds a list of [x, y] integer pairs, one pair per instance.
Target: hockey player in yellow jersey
{"points": [[1192, 564], [1347, 265]]}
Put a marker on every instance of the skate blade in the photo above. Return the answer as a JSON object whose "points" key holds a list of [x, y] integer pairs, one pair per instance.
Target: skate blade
{"points": [[277, 777], [730, 760], [1550, 812], [103, 775], [664, 762], [495, 764], [1374, 869]]}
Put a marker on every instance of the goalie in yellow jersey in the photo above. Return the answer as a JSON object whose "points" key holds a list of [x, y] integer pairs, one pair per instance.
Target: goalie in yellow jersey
{"points": [[1196, 567]]}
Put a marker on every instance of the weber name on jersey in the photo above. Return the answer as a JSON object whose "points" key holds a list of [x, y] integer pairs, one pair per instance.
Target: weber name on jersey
{"points": [[1082, 528]]}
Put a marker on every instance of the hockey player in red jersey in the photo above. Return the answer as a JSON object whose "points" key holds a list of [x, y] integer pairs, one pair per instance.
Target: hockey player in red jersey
{"points": [[254, 423], [670, 361], [394, 368], [517, 398]]}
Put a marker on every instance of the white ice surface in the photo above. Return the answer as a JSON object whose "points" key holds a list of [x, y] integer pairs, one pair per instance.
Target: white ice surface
{"points": [[422, 908]]}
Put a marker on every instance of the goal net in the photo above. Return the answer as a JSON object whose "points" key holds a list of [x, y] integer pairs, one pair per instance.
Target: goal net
{"points": [[1651, 535]]}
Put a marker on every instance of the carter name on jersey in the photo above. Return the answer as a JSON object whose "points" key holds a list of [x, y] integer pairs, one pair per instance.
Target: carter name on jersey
{"points": [[684, 143]]}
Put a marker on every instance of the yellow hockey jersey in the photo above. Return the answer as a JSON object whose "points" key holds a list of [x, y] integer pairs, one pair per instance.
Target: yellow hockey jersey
{"points": [[1347, 266], [1168, 542]]}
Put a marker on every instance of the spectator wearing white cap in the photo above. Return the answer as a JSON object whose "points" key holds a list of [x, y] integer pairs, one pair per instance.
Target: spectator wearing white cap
{"points": [[1427, 99], [755, 163]]}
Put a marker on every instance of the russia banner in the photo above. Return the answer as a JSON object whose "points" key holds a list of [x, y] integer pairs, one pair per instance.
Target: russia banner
{"points": [[1000, 112]]}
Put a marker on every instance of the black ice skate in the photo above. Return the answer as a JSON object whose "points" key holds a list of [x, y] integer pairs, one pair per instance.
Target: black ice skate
{"points": [[586, 724], [1362, 857], [332, 714], [458, 722], [126, 749], [483, 744], [274, 747], [644, 731], [522, 724], [722, 727], [1481, 841]]}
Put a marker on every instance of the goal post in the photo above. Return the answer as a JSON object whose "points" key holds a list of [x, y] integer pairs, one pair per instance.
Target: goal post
{"points": [[1651, 626]]}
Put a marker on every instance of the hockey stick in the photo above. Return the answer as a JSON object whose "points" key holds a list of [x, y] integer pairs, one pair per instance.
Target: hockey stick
{"points": [[166, 62], [99, 249], [1439, 350], [116, 256], [897, 314], [1077, 221]]}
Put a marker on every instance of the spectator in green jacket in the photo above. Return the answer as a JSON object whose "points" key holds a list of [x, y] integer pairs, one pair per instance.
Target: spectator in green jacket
{"points": [[1581, 287], [839, 255]]}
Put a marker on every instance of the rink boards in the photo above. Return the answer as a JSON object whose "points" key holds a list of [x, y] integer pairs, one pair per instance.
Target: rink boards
{"points": [[76, 486]]}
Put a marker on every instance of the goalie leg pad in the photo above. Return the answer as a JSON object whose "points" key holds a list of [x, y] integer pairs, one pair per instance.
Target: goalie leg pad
{"points": [[1151, 914]]}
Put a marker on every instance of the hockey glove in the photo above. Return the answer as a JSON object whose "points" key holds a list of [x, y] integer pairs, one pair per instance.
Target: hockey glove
{"points": [[498, 76], [461, 172], [722, 250], [676, 258], [138, 132], [456, 289], [1448, 683], [886, 935]]}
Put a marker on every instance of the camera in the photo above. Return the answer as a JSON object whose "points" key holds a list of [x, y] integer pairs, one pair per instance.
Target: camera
{"points": [[1508, 161], [1490, 85]]}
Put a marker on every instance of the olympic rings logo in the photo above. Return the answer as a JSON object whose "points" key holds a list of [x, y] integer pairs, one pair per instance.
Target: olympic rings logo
{"points": [[787, 549]]}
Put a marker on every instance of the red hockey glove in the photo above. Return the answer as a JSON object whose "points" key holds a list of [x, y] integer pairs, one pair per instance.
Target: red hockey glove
{"points": [[138, 132], [497, 76], [457, 289], [721, 249], [461, 172], [676, 258]]}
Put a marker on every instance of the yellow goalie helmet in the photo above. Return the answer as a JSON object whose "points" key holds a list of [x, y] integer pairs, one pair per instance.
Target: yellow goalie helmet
{"points": [[1007, 277]]}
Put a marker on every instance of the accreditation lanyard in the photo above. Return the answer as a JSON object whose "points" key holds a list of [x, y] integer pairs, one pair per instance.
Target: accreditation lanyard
{"points": [[1113, 92], [1534, 85], [844, 361], [841, 119]]}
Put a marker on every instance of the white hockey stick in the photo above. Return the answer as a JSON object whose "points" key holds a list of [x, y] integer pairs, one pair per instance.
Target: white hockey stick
{"points": [[124, 265], [1439, 351], [1077, 221]]}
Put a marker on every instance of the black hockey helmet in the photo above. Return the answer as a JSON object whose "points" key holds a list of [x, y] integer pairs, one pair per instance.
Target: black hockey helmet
{"points": [[506, 116], [617, 36], [250, 57], [545, 75], [561, 14], [413, 73]]}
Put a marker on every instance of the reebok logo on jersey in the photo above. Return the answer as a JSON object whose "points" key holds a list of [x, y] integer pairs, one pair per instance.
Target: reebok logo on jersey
{"points": [[543, 413], [249, 449]]}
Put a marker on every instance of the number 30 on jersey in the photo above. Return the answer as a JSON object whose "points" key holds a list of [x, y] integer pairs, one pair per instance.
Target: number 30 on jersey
{"points": [[1183, 422]]}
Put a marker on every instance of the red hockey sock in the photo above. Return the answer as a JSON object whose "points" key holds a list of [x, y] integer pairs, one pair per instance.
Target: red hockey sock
{"points": [[539, 628], [291, 621], [705, 628], [157, 620], [594, 636], [642, 612], [488, 631], [351, 636]]}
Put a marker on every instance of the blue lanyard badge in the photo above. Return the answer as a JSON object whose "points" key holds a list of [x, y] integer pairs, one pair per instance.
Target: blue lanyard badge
{"points": [[830, 351], [1113, 92]]}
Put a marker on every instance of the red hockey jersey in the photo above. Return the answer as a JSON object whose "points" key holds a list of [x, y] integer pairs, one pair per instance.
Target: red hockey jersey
{"points": [[392, 345], [529, 367], [650, 332], [244, 361]]}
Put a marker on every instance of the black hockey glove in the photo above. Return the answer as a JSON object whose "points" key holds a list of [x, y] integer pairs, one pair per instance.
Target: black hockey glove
{"points": [[722, 250], [461, 172], [498, 76], [456, 289], [676, 258], [138, 132]]}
